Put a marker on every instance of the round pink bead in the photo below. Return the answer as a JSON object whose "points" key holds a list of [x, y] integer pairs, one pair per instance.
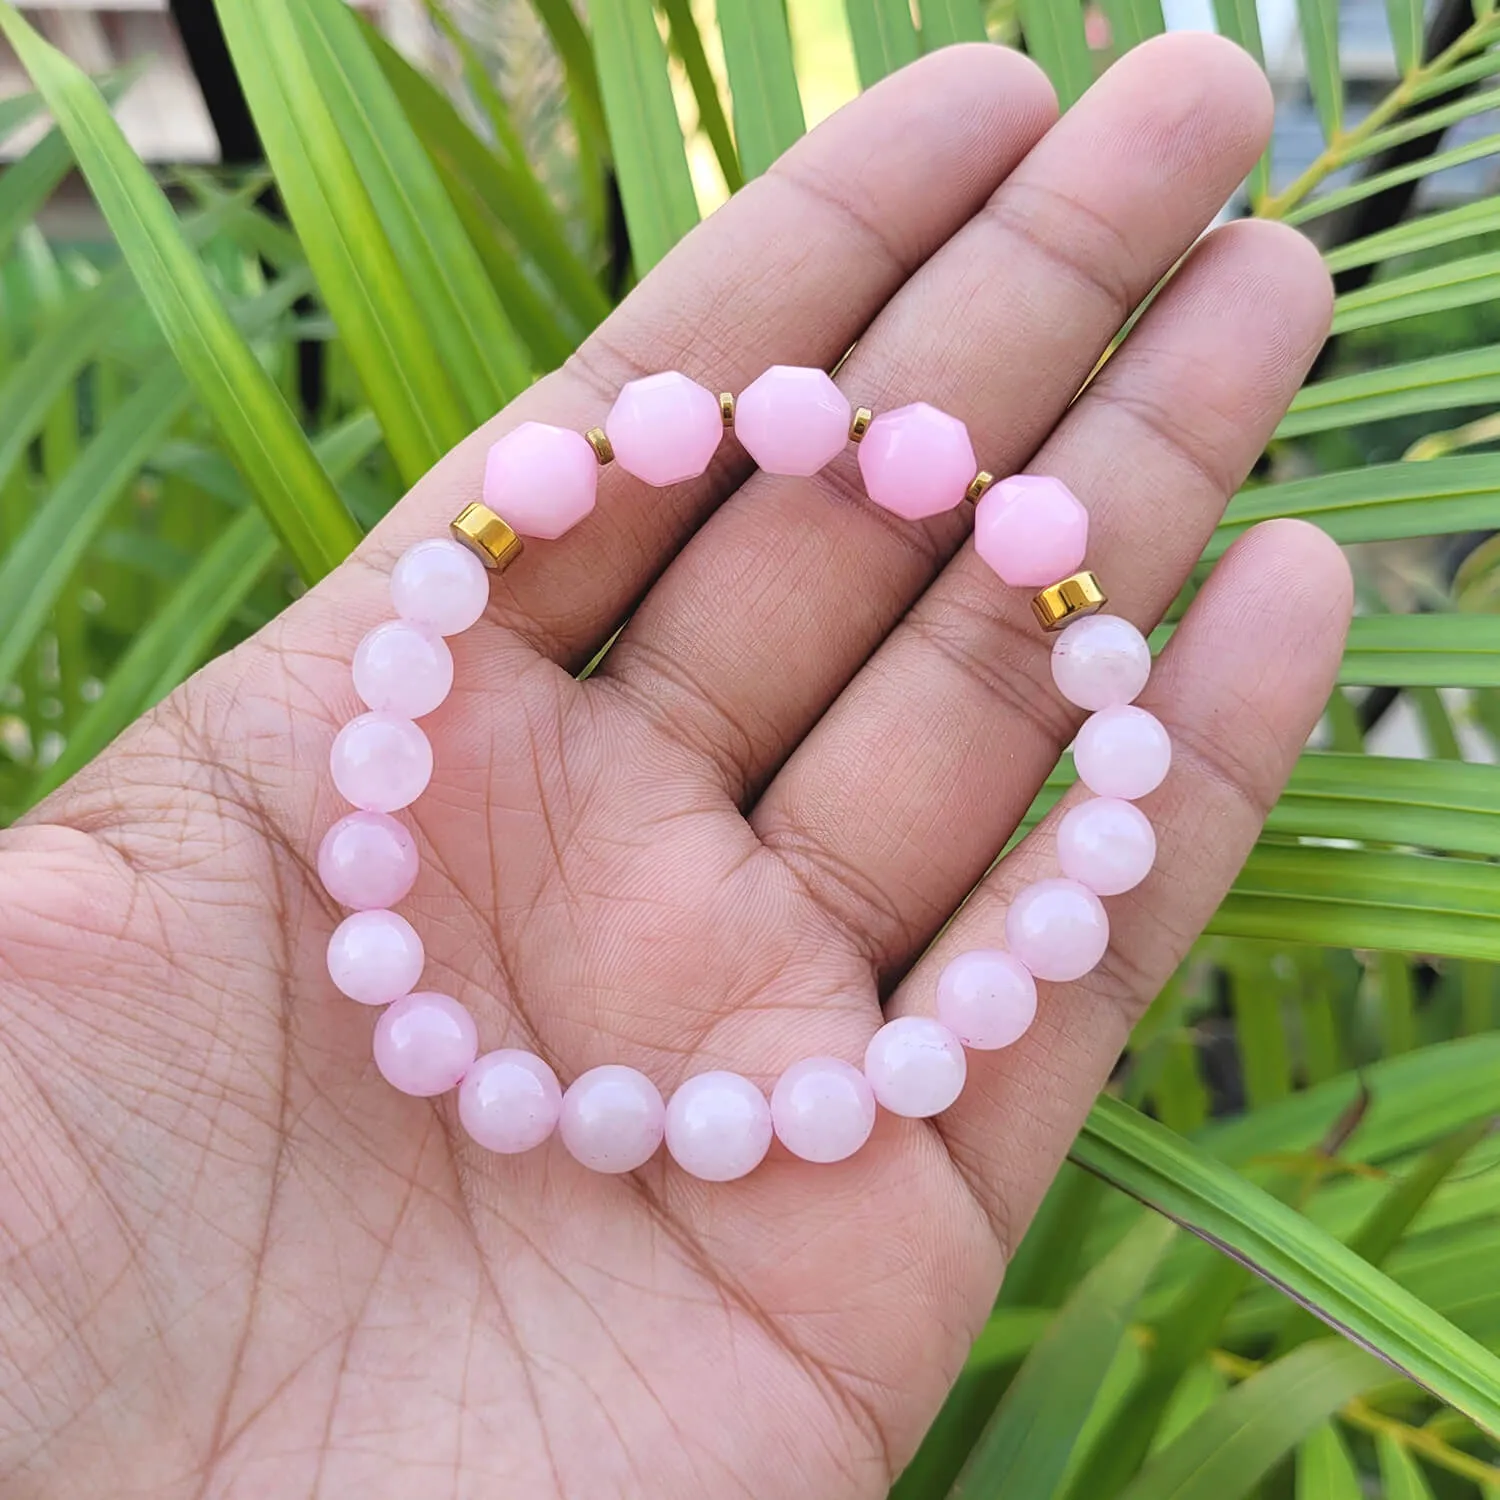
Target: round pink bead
{"points": [[1031, 529], [792, 420], [917, 461], [509, 1101], [1122, 752], [367, 860], [542, 480], [1100, 661], [1106, 844], [1058, 929], [403, 669], [612, 1119], [718, 1126], [665, 428], [375, 957], [425, 1043], [439, 583], [986, 998], [381, 763], [823, 1109], [915, 1066]]}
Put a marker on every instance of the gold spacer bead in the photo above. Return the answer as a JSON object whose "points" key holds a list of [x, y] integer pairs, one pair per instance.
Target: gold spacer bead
{"points": [[726, 408], [978, 485], [863, 416], [487, 536], [599, 442], [1071, 599]]}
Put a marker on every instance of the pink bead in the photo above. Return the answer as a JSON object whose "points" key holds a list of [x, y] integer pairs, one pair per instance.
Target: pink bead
{"points": [[1106, 844], [612, 1119], [425, 1043], [541, 480], [1100, 661], [916, 461], [509, 1101], [367, 860], [403, 669], [1058, 929], [1122, 752], [986, 998], [792, 420], [718, 1126], [439, 583], [823, 1109], [381, 763], [915, 1066], [665, 428], [375, 957], [1031, 530]]}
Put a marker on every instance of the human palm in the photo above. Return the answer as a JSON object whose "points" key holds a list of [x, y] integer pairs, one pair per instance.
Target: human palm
{"points": [[237, 1263]]}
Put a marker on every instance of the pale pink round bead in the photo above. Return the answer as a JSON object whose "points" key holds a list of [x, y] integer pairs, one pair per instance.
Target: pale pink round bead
{"points": [[1106, 844], [986, 998], [718, 1126], [1100, 661], [425, 1043], [792, 420], [1058, 929], [381, 763], [612, 1119], [367, 860], [439, 583], [916, 1066], [509, 1101], [823, 1109], [403, 669], [665, 428], [1122, 752], [1031, 529], [375, 957], [916, 461], [541, 480]]}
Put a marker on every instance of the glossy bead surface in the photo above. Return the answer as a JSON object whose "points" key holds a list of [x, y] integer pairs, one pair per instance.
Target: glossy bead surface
{"points": [[986, 998], [1031, 529], [612, 1119], [916, 461], [403, 669], [792, 420], [1122, 752], [367, 860], [664, 429], [509, 1101], [1100, 662], [916, 1066], [381, 763], [1106, 844], [718, 1126], [1058, 929], [439, 583], [375, 957], [823, 1109], [541, 480], [425, 1043]]}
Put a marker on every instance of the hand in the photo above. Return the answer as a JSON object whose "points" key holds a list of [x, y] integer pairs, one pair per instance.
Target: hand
{"points": [[238, 1264]]}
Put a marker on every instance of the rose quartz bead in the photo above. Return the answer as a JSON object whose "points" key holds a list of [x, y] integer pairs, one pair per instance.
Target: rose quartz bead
{"points": [[718, 1126], [1058, 929], [612, 1119], [916, 461], [367, 860], [792, 420], [1122, 752], [509, 1101], [425, 1043], [1031, 529], [439, 583], [823, 1109], [403, 669], [541, 480], [375, 957], [986, 998], [915, 1066], [381, 763], [1100, 661], [1106, 844], [665, 428]]}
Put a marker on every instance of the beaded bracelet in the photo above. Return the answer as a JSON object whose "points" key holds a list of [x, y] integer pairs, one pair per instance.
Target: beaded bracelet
{"points": [[915, 461]]}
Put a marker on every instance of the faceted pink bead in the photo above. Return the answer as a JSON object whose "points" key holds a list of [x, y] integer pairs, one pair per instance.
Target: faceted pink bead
{"points": [[541, 480], [509, 1101], [403, 669], [1058, 929], [1100, 661], [367, 860], [915, 1066], [665, 428], [612, 1119], [1106, 844], [916, 461], [381, 763], [439, 583], [1122, 752], [425, 1043], [823, 1109], [1031, 529], [792, 420], [375, 957], [986, 998], [718, 1126]]}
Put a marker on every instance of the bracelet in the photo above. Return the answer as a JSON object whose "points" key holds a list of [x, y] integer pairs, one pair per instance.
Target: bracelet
{"points": [[916, 462]]}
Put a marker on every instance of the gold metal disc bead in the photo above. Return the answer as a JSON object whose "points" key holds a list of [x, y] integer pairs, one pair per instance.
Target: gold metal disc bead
{"points": [[863, 416], [726, 408], [486, 535], [1071, 599], [978, 485], [599, 441]]}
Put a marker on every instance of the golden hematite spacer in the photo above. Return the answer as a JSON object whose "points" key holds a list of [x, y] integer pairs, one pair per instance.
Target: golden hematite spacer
{"points": [[599, 441], [863, 416], [486, 535], [1062, 603], [978, 485], [726, 408]]}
